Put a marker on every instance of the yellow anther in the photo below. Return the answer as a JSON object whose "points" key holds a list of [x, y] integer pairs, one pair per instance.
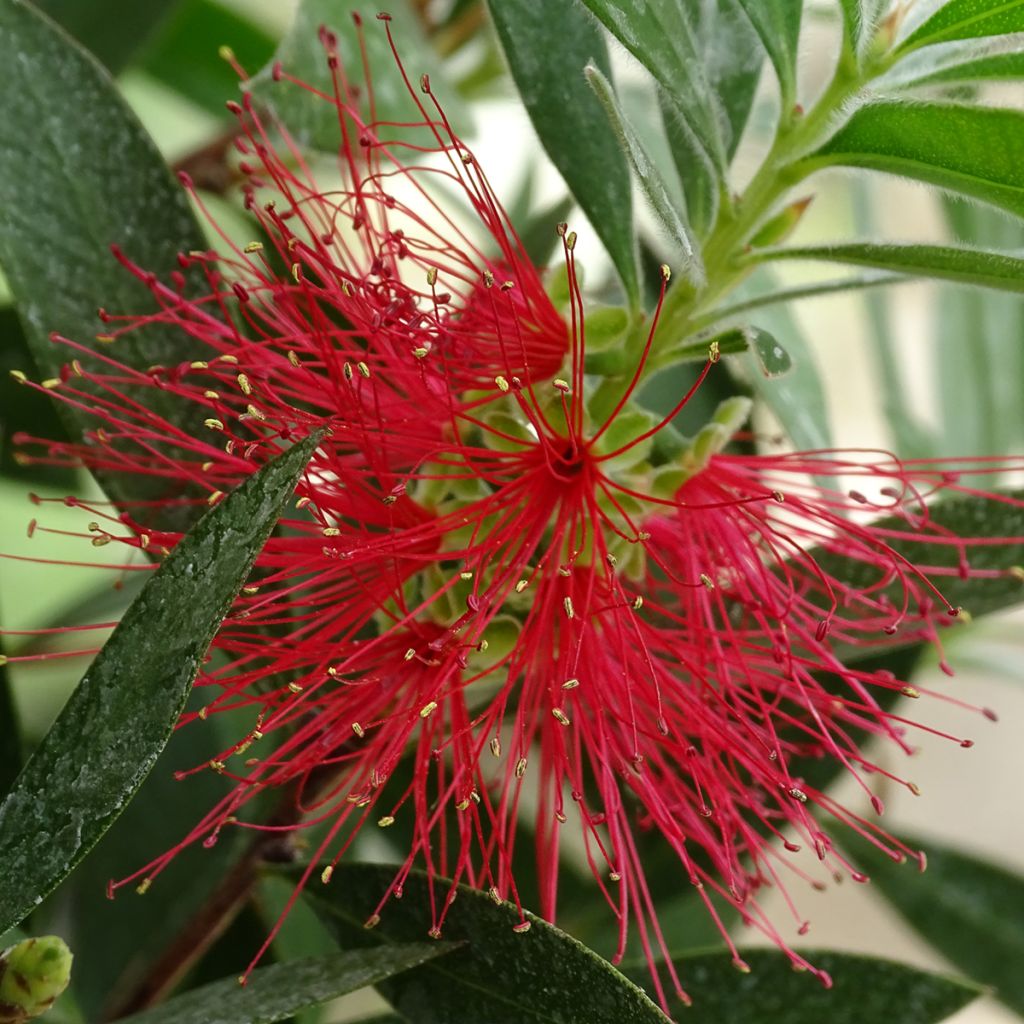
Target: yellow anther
{"points": [[106, 339], [387, 820], [213, 423], [638, 603], [910, 691], [714, 352], [666, 272], [522, 585], [358, 730], [212, 395], [410, 654], [331, 531], [293, 358], [325, 875], [51, 382], [254, 412], [520, 767], [499, 380], [225, 53], [432, 276], [199, 365], [523, 926], [570, 684], [214, 497], [243, 383], [143, 887], [570, 612], [19, 376], [428, 709], [496, 747], [363, 369], [254, 247], [560, 716], [295, 688]]}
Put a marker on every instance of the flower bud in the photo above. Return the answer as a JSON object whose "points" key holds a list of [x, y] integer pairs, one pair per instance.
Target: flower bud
{"points": [[32, 974]]}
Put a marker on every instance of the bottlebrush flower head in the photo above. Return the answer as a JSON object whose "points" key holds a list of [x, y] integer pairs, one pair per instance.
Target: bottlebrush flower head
{"points": [[506, 583]]}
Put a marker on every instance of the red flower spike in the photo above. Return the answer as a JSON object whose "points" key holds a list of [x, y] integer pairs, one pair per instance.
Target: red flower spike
{"points": [[498, 585]]}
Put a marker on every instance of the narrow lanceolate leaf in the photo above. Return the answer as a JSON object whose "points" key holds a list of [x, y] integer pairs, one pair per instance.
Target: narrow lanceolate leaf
{"points": [[276, 993], [117, 721], [859, 20], [968, 19], [301, 54], [661, 36], [113, 30], [968, 909], [10, 731], [976, 151], [864, 989], [70, 185], [685, 248], [547, 46], [964, 61], [999, 516], [498, 975], [778, 24], [949, 263]]}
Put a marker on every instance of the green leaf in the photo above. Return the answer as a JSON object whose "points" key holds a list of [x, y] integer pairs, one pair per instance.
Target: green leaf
{"points": [[960, 516], [70, 185], [949, 263], [313, 119], [547, 46], [970, 910], [859, 20], [967, 19], [980, 348], [11, 753], [770, 356], [661, 36], [275, 993], [977, 151], [498, 975], [865, 989], [69, 793], [959, 62], [778, 24], [113, 30], [191, 38], [673, 221]]}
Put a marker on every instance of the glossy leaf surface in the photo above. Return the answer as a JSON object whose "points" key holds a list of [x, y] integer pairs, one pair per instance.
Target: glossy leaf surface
{"points": [[864, 989], [968, 909], [497, 975], [71, 185], [275, 993], [108, 736], [547, 47]]}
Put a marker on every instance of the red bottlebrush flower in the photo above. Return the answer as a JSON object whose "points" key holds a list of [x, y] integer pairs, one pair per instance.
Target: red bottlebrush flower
{"points": [[502, 580]]}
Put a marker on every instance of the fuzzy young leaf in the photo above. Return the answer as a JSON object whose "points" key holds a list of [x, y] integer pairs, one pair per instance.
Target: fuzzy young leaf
{"points": [[70, 186], [278, 992], [971, 911], [661, 36], [673, 221], [959, 62], [108, 736], [976, 151], [547, 47], [967, 19], [540, 977], [949, 263], [778, 24], [864, 989]]}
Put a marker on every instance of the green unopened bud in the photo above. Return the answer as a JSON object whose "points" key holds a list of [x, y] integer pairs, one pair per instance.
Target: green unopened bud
{"points": [[782, 225], [32, 974]]}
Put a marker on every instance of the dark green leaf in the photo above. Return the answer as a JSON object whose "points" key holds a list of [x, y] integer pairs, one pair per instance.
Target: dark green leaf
{"points": [[70, 185], [977, 151], [498, 975], [968, 19], [968, 266], [275, 993], [23, 409], [685, 247], [661, 36], [865, 989], [69, 793], [547, 46], [11, 753], [971, 911], [966, 517], [313, 119], [778, 24], [190, 40], [113, 30]]}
